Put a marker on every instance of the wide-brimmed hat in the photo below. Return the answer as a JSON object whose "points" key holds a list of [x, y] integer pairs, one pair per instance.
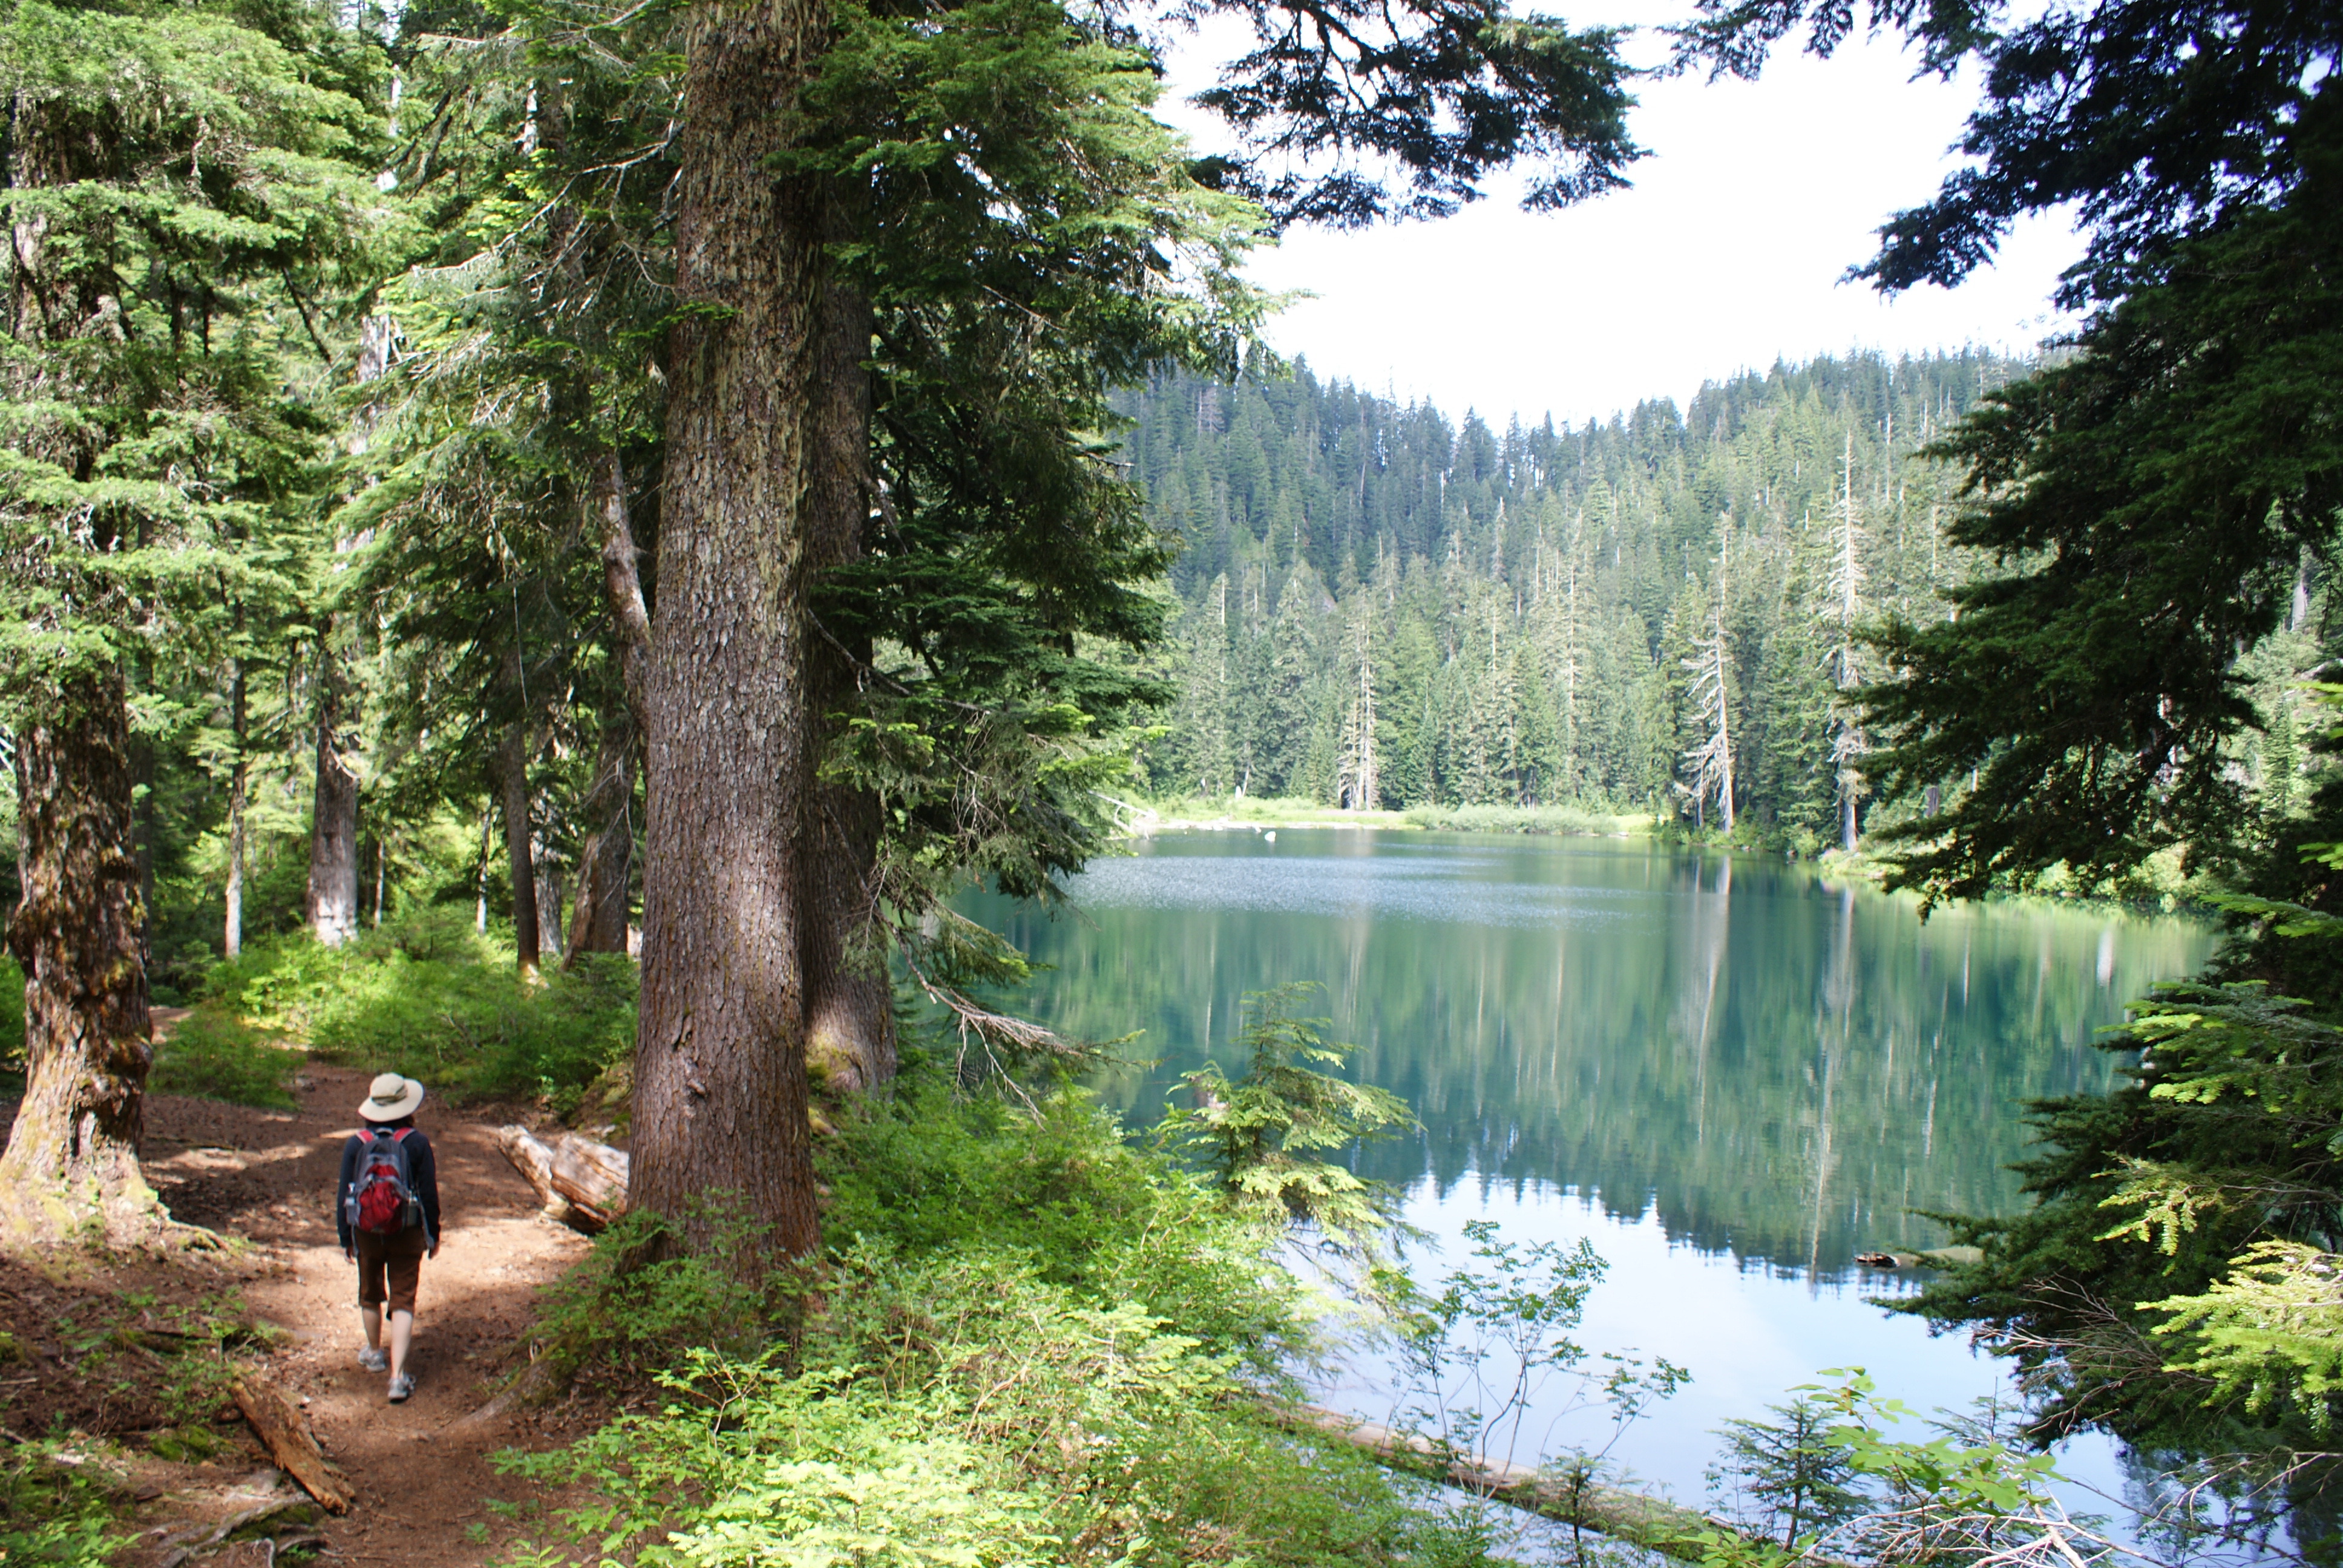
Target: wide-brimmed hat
{"points": [[390, 1097]]}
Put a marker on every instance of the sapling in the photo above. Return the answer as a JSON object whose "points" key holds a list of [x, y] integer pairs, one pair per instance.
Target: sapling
{"points": [[1476, 1357], [1792, 1476], [1261, 1135]]}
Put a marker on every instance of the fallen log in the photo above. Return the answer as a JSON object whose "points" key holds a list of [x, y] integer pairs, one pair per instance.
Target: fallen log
{"points": [[1650, 1523], [592, 1176], [290, 1443], [580, 1182], [534, 1161]]}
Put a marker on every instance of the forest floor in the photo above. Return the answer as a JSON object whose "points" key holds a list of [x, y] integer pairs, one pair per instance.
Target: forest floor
{"points": [[426, 1495]]}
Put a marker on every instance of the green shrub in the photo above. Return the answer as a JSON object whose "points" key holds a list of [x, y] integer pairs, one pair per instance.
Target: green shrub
{"points": [[12, 1017], [968, 1412], [930, 1174], [53, 1508], [1031, 1341], [428, 998], [635, 1306], [217, 1055]]}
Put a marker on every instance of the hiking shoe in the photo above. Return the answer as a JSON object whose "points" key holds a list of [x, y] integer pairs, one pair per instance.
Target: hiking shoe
{"points": [[400, 1387], [373, 1360]]}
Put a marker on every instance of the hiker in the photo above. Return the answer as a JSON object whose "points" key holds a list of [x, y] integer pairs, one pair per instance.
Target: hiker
{"points": [[387, 1210]]}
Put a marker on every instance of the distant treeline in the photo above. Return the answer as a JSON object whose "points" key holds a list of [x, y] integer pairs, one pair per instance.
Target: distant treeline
{"points": [[1658, 613]]}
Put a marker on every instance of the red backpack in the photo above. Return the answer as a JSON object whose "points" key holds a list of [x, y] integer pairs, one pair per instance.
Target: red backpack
{"points": [[382, 1200]]}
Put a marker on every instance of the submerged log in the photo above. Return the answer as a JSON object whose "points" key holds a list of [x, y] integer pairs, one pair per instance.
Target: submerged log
{"points": [[580, 1182], [290, 1443], [1650, 1523]]}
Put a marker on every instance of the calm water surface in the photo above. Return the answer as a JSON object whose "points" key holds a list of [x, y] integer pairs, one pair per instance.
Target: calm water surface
{"points": [[1731, 1075]]}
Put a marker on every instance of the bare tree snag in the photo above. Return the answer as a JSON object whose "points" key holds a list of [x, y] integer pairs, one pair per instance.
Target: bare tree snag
{"points": [[622, 585], [71, 1168], [720, 1109]]}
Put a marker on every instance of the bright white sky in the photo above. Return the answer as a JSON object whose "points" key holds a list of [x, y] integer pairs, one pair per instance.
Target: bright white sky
{"points": [[1725, 256]]}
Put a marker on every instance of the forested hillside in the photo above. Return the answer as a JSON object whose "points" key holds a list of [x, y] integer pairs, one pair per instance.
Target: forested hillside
{"points": [[1380, 606]]}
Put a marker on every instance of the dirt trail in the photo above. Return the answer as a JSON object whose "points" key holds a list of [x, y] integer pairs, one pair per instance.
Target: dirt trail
{"points": [[422, 1478]]}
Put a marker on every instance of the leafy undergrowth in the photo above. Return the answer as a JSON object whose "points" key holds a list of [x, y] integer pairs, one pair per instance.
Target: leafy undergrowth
{"points": [[1035, 1343], [427, 997], [214, 1054]]}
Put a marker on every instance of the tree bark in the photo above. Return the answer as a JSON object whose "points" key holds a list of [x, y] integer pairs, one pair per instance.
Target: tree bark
{"points": [[720, 1065], [512, 779], [548, 900], [606, 862], [849, 1011], [72, 1162], [333, 899]]}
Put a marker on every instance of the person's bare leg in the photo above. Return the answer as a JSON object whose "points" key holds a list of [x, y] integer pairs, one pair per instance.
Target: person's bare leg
{"points": [[402, 1331], [372, 1317]]}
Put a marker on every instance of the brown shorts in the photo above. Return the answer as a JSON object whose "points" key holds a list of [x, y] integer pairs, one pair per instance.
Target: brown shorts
{"points": [[399, 1256]]}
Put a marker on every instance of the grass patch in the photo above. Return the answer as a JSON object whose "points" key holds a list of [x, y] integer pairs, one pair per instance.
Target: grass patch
{"points": [[1284, 812], [216, 1055], [1580, 820], [1269, 812]]}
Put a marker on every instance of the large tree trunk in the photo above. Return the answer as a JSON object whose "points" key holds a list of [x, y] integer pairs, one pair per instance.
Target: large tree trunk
{"points": [[719, 1065], [512, 778], [332, 901], [850, 1012], [73, 1154], [606, 862]]}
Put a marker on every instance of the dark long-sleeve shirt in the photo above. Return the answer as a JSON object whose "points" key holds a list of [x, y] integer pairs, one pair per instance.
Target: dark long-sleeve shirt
{"points": [[419, 1166]]}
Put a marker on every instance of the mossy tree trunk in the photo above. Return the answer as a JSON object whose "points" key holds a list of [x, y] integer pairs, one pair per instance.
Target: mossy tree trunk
{"points": [[71, 1168]]}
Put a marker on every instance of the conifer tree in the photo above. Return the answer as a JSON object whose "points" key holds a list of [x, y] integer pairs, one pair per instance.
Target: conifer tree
{"points": [[189, 194]]}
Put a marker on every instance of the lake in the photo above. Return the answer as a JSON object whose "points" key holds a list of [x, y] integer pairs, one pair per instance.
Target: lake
{"points": [[1728, 1073]]}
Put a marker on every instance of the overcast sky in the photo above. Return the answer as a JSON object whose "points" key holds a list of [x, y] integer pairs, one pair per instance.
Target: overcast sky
{"points": [[1725, 254]]}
